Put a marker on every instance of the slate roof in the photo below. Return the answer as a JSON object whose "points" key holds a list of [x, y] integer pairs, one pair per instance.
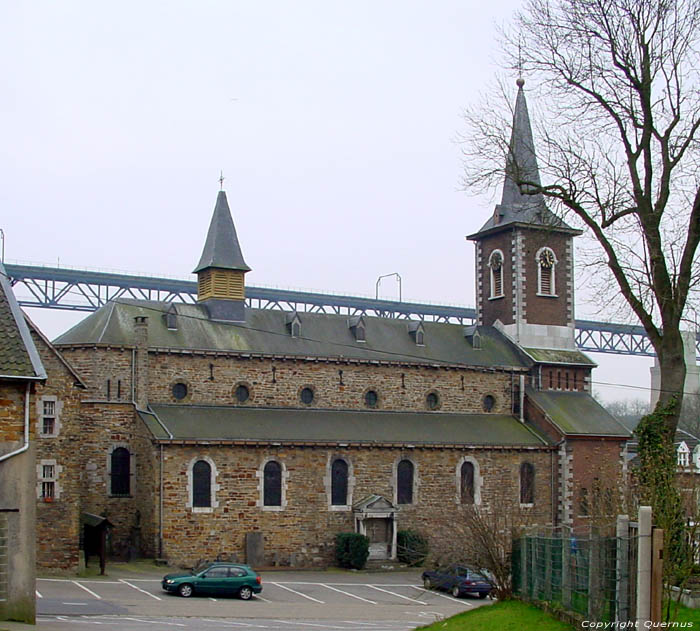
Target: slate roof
{"points": [[222, 248], [19, 358], [517, 208], [290, 425], [577, 413], [266, 331]]}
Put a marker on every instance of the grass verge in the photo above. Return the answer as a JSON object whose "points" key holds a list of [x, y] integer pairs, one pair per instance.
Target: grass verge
{"points": [[508, 615]]}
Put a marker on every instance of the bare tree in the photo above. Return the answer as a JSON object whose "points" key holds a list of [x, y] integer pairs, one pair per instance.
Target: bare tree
{"points": [[619, 155]]}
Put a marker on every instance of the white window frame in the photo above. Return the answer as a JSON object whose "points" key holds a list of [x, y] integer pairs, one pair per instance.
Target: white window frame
{"points": [[328, 483], [260, 474], [493, 295], [57, 470], [58, 408], [214, 486], [553, 292], [478, 481]]}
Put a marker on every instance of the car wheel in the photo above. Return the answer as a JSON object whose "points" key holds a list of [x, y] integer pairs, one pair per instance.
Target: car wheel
{"points": [[427, 583], [185, 590], [245, 593], [455, 591], [483, 594]]}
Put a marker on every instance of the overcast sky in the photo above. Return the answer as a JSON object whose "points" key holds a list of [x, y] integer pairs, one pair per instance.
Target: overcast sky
{"points": [[334, 125]]}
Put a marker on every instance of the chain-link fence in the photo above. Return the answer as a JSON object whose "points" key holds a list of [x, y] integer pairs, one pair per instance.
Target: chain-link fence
{"points": [[588, 574]]}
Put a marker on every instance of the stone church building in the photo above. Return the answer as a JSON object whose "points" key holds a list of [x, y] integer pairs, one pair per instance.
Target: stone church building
{"points": [[216, 429]]}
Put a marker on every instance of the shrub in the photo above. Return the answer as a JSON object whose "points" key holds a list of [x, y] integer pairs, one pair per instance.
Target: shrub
{"points": [[412, 547], [351, 550]]}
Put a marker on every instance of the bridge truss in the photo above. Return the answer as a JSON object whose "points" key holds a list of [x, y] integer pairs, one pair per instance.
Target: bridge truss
{"points": [[85, 290]]}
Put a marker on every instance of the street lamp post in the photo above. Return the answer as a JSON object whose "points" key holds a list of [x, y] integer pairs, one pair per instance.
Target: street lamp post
{"points": [[379, 280]]}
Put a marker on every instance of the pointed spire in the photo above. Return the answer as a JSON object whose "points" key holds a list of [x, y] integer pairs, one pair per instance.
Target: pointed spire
{"points": [[521, 162], [222, 249]]}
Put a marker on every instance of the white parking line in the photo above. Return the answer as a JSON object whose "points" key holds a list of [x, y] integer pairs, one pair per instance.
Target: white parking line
{"points": [[121, 580], [308, 624], [230, 623], [169, 624], [335, 589], [89, 591], [38, 595], [294, 591], [77, 604], [386, 591], [434, 593]]}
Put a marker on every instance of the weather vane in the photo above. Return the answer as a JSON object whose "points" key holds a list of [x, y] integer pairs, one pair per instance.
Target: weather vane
{"points": [[221, 180]]}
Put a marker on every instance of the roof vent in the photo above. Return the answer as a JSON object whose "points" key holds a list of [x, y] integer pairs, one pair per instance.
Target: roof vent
{"points": [[417, 332], [294, 324], [473, 335], [356, 324]]}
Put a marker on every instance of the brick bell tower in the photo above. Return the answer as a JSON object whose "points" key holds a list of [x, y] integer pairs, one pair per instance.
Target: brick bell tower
{"points": [[524, 254], [221, 270]]}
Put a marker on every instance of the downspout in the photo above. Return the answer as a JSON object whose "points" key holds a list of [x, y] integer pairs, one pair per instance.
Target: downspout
{"points": [[554, 456], [133, 375], [522, 398], [24, 447], [160, 509]]}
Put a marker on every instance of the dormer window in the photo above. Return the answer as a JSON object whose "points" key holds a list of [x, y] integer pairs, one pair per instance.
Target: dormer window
{"points": [[171, 318], [356, 324], [683, 454], [473, 335], [496, 272], [546, 268], [417, 332], [294, 324]]}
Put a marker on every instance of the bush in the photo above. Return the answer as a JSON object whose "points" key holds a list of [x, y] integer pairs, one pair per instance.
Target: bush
{"points": [[412, 547], [351, 550]]}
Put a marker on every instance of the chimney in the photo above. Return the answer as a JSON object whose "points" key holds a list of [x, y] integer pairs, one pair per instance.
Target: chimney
{"points": [[141, 363]]}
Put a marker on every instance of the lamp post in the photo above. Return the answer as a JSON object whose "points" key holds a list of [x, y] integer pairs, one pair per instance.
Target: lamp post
{"points": [[379, 280]]}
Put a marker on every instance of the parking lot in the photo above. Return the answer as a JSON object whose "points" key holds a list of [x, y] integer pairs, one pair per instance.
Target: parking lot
{"points": [[390, 601]]}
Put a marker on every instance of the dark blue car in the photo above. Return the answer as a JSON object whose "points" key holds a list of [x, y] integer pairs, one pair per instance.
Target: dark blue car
{"points": [[459, 580]]}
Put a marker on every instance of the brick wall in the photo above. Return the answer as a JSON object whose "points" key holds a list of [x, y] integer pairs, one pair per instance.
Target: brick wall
{"points": [[500, 308]]}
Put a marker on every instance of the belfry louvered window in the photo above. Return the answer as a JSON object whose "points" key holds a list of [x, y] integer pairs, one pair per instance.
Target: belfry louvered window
{"points": [[546, 264], [467, 483], [272, 490], [404, 482], [339, 482], [120, 472], [201, 484], [496, 272]]}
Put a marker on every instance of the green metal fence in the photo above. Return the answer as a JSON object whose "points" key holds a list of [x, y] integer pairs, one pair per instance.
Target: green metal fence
{"points": [[590, 575]]}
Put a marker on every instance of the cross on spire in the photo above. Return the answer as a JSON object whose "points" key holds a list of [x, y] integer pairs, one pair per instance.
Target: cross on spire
{"points": [[221, 181]]}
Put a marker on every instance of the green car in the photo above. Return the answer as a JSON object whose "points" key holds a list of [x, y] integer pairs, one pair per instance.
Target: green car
{"points": [[215, 579]]}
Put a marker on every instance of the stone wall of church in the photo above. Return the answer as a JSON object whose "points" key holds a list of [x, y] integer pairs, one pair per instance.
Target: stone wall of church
{"points": [[98, 365], [302, 531], [335, 385]]}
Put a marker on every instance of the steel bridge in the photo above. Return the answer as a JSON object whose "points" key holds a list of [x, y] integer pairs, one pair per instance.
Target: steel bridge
{"points": [[85, 290]]}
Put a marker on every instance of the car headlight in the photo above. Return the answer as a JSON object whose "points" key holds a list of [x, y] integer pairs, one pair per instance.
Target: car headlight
{"points": [[169, 581]]}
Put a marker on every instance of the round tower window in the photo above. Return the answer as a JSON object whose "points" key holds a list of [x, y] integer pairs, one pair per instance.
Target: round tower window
{"points": [[242, 393], [371, 398], [432, 400], [489, 402], [180, 391], [307, 396]]}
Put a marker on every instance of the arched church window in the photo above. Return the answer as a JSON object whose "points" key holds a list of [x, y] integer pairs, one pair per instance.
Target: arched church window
{"points": [[339, 483], [496, 267], [527, 483], [404, 482], [120, 472], [201, 484], [272, 484], [546, 265], [467, 483]]}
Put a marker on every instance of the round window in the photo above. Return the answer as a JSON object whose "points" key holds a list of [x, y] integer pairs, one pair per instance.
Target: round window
{"points": [[432, 400], [242, 393], [489, 402], [180, 391], [371, 398], [307, 396]]}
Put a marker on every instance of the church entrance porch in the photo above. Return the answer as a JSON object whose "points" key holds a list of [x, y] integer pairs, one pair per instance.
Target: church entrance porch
{"points": [[375, 517]]}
